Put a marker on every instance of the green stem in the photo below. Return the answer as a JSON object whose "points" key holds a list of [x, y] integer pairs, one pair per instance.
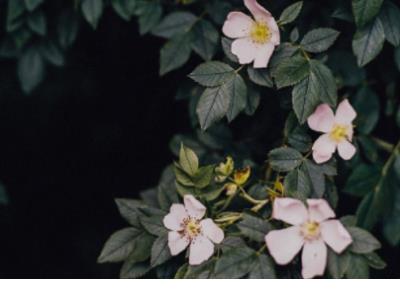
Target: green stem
{"points": [[386, 146], [250, 199]]}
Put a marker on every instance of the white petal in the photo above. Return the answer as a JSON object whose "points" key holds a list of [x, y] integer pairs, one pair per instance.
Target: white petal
{"points": [[193, 207], [200, 250], [284, 244], [319, 210], [335, 235], [259, 12], [212, 231], [290, 211], [173, 220], [322, 119], [263, 55], [244, 49], [314, 258], [177, 242], [345, 113], [346, 150], [323, 148], [237, 25]]}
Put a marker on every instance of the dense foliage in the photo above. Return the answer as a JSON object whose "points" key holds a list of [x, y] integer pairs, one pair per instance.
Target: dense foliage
{"points": [[328, 52]]}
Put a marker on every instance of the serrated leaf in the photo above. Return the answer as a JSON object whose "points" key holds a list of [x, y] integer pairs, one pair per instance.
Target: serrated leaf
{"points": [[202, 271], [368, 42], [134, 270], [326, 82], [154, 225], [127, 209], [316, 176], [175, 53], [37, 22], [297, 185], [365, 10], [124, 8], [30, 69], [119, 245], [149, 15], [238, 97], [205, 41], [31, 5], [284, 159], [212, 74], [338, 264], [92, 11], [319, 40], [188, 160], [231, 242], [67, 29], [358, 267], [159, 251], [363, 241], [253, 100], [375, 261], [234, 263], [173, 24], [366, 103], [362, 179], [291, 71], [263, 268], [290, 13], [204, 176], [254, 227], [226, 47], [390, 18], [260, 76]]}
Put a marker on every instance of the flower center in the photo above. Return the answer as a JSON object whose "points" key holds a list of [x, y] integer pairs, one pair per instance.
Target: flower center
{"points": [[191, 227], [310, 230], [339, 132], [260, 33]]}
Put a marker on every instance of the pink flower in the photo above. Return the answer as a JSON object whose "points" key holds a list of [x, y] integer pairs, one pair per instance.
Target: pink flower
{"points": [[337, 129], [312, 230], [255, 38], [187, 227]]}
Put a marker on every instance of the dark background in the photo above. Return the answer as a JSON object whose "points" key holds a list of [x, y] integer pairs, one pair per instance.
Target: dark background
{"points": [[96, 129]]}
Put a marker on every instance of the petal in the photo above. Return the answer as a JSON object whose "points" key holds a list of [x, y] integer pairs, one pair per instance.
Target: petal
{"points": [[322, 119], [259, 12], [200, 250], [212, 231], [284, 244], [335, 235], [319, 210], [177, 214], [346, 150], [193, 207], [345, 113], [313, 258], [323, 148], [177, 242], [244, 49], [237, 25], [290, 211], [275, 34], [263, 55]]}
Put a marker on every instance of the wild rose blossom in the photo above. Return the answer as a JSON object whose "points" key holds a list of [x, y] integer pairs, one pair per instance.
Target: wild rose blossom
{"points": [[337, 129], [188, 228], [255, 39], [312, 230]]}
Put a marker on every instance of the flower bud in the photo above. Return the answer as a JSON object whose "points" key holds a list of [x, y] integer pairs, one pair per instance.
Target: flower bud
{"points": [[241, 176]]}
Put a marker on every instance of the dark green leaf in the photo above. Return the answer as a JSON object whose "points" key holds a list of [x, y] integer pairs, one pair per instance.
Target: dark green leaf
{"points": [[362, 180], [260, 76], [363, 241], [37, 22], [149, 16], [238, 97], [290, 13], [297, 185], [92, 11], [234, 263], [366, 104], [173, 24], [30, 69], [133, 270], [284, 159], [31, 5], [52, 53], [291, 71], [263, 268], [154, 225], [375, 261], [338, 264], [254, 227], [67, 29], [211, 74], [175, 53], [358, 267], [365, 10], [160, 252], [206, 39], [316, 176], [319, 40], [390, 18], [226, 47], [124, 8]]}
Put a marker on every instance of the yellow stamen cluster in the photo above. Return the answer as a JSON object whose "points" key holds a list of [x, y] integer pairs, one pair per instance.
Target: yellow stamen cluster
{"points": [[339, 133], [191, 227], [311, 230], [260, 33]]}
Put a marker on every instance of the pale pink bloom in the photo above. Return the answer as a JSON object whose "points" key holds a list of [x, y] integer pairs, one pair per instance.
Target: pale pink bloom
{"points": [[337, 129], [255, 38], [188, 227], [312, 230]]}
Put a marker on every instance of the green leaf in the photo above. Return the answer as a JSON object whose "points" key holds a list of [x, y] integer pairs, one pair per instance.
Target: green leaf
{"points": [[175, 53], [363, 241], [149, 15], [338, 264], [67, 29], [260, 76], [124, 8], [231, 242], [263, 268], [15, 11], [159, 251], [37, 22], [212, 74], [206, 39], [361, 181], [358, 267], [254, 227], [375, 261], [154, 225], [319, 40], [4, 198], [127, 209], [234, 263], [134, 270], [188, 160], [284, 159], [365, 10], [202, 271], [290, 13], [141, 251], [238, 97], [368, 42], [92, 11], [52, 53], [366, 103], [204, 176], [291, 71], [226, 47], [300, 140], [316, 176], [297, 185], [119, 245], [30, 69], [326, 82], [31, 5], [390, 18], [331, 193], [174, 24], [253, 101]]}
